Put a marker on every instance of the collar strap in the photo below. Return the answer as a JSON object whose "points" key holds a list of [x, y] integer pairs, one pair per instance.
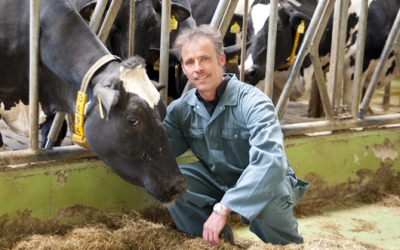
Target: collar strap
{"points": [[300, 30], [79, 135]]}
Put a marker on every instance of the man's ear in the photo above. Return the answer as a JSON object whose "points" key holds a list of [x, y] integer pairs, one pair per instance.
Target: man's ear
{"points": [[109, 97], [222, 60]]}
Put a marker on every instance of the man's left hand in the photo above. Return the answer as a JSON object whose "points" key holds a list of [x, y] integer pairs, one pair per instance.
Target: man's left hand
{"points": [[212, 228]]}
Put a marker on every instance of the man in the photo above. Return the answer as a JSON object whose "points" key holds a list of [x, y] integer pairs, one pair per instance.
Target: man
{"points": [[233, 130]]}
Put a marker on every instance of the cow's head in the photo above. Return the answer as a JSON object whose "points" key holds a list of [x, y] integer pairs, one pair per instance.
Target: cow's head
{"points": [[130, 138], [287, 24]]}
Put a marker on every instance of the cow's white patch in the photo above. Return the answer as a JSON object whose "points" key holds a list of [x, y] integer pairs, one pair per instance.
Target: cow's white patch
{"points": [[259, 15], [137, 82], [248, 64], [17, 118]]}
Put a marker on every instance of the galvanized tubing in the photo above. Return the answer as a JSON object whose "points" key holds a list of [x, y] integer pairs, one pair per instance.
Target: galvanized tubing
{"points": [[270, 66], [244, 39], [55, 129], [226, 19], [219, 13], [318, 16], [394, 33], [164, 46], [312, 127], [132, 28], [339, 31], [34, 31], [40, 155], [109, 20], [97, 15], [362, 30]]}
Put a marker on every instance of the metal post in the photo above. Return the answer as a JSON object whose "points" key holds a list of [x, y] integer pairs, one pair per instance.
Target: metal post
{"points": [[394, 33], [34, 29], [362, 29], [317, 16], [164, 49], [55, 129], [97, 15], [109, 20], [219, 13], [272, 28], [132, 28], [337, 52], [226, 20], [244, 39], [57, 153], [312, 127]]}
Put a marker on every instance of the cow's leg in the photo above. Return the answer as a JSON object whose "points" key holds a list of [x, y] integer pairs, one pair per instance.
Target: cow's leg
{"points": [[2, 146]]}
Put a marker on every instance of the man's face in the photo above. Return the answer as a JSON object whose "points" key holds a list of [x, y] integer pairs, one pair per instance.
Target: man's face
{"points": [[202, 66]]}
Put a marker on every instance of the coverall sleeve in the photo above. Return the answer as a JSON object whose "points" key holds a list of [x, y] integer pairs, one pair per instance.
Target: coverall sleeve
{"points": [[174, 131], [267, 160]]}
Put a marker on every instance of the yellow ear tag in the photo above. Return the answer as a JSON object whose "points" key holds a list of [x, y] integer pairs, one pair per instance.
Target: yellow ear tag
{"points": [[157, 65], [301, 27], [234, 59], [174, 23], [101, 109], [235, 28]]}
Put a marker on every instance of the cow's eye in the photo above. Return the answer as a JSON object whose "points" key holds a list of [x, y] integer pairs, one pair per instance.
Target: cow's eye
{"points": [[132, 120]]}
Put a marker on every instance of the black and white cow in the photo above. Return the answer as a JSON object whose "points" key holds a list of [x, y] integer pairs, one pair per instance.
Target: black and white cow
{"points": [[381, 15], [130, 139], [289, 17], [17, 118]]}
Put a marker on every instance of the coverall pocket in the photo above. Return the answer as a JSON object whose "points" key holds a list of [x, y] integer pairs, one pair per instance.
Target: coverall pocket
{"points": [[299, 188]]}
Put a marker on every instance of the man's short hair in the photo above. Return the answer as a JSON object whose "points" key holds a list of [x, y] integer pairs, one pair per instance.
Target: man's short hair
{"points": [[188, 36]]}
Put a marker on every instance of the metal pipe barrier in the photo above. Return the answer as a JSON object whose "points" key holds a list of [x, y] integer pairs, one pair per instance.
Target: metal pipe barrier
{"points": [[394, 33], [109, 20], [34, 28], [244, 39], [312, 127], [219, 13], [164, 46], [55, 129], [98, 15], [40, 155], [270, 66], [226, 19], [318, 16], [338, 47], [362, 30], [132, 13]]}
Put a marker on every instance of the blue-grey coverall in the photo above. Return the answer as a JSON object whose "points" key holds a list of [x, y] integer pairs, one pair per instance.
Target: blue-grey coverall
{"points": [[242, 164]]}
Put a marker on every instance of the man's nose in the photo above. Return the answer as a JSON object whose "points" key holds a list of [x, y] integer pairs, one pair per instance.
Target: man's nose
{"points": [[198, 66]]}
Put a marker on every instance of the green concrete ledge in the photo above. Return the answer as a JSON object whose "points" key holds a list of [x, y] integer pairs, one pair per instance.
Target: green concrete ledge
{"points": [[76, 191]]}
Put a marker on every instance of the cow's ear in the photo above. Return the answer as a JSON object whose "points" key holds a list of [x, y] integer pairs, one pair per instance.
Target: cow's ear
{"points": [[180, 12], [297, 17], [108, 96], [87, 11]]}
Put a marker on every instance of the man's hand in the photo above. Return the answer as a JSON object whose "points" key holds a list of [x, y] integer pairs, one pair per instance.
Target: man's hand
{"points": [[212, 227]]}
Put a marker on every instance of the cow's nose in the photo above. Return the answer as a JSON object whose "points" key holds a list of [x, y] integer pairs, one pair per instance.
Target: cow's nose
{"points": [[249, 75]]}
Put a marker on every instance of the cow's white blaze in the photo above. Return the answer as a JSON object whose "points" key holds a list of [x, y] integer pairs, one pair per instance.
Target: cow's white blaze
{"points": [[248, 64], [259, 15], [137, 82], [17, 118]]}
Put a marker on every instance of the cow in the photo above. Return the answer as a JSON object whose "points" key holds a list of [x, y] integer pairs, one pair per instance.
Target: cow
{"points": [[381, 15], [124, 111], [289, 17], [17, 118]]}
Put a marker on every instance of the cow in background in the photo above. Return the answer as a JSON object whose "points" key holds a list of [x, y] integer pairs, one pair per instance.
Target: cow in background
{"points": [[130, 137]]}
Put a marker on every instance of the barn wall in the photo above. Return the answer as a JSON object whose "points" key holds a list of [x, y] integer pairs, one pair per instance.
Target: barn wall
{"points": [[65, 192]]}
